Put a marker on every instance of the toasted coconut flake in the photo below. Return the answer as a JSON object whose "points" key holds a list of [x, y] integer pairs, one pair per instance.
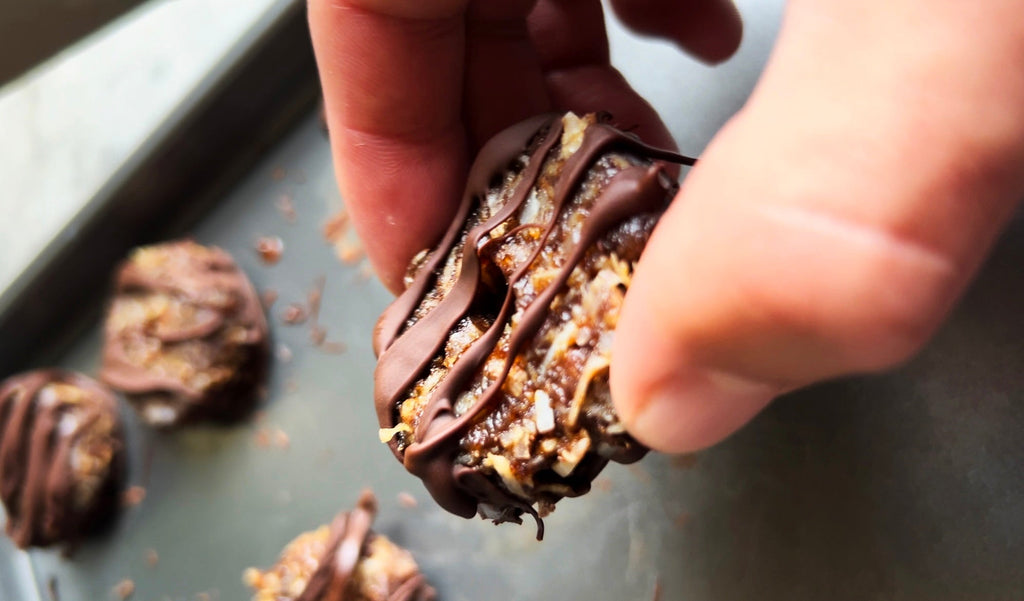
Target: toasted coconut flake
{"points": [[597, 365], [543, 414], [569, 458], [503, 468], [386, 434]]}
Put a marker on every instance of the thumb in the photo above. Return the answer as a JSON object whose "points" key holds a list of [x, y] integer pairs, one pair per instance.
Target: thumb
{"points": [[831, 226]]}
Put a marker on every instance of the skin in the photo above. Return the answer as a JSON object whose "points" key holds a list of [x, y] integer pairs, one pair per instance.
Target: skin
{"points": [[829, 228]]}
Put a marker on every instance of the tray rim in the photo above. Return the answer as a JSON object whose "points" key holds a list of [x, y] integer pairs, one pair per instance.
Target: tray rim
{"points": [[269, 73]]}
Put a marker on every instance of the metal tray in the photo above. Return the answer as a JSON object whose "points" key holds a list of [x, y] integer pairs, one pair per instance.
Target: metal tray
{"points": [[902, 486]]}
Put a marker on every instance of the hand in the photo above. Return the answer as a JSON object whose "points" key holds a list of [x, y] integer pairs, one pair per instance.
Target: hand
{"points": [[828, 229], [414, 87]]}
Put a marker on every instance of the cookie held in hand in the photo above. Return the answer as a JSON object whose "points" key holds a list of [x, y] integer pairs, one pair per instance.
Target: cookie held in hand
{"points": [[492, 373]]}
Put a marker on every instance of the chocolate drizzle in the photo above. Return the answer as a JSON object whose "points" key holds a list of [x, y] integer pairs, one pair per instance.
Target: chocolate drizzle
{"points": [[404, 355], [346, 545], [219, 309], [38, 434]]}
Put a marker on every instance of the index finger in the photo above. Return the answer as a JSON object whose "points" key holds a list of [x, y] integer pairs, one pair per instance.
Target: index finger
{"points": [[392, 73]]}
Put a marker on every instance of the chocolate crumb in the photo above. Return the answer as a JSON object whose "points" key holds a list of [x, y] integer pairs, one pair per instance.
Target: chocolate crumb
{"points": [[407, 500], [270, 249], [294, 314], [124, 590], [152, 558], [681, 520], [132, 496], [286, 208]]}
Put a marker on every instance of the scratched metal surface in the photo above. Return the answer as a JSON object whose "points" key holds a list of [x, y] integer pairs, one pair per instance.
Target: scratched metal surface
{"points": [[902, 486]]}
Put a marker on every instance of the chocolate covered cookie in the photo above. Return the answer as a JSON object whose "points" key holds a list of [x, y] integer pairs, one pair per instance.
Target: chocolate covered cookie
{"points": [[185, 335], [492, 378], [61, 456], [345, 561]]}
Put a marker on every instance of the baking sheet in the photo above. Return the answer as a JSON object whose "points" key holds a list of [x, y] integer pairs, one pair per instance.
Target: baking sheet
{"points": [[902, 486]]}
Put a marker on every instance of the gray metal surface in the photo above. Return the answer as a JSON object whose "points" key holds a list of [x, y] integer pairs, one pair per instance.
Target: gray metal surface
{"points": [[905, 486]]}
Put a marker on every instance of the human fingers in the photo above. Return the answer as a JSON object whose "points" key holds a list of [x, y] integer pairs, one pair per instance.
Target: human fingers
{"points": [[392, 75], [832, 225], [708, 29], [504, 82], [572, 45]]}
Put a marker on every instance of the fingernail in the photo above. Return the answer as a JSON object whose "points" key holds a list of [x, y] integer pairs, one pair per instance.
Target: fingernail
{"points": [[694, 411]]}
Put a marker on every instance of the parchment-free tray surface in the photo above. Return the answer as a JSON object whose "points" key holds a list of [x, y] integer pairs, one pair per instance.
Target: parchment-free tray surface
{"points": [[903, 486]]}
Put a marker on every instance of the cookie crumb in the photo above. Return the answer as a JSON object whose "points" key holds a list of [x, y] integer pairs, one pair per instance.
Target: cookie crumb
{"points": [[124, 590], [684, 462], [152, 558], [269, 297], [333, 348], [366, 272], [278, 174], [286, 208], [639, 473], [407, 500], [294, 314], [270, 249], [349, 253], [315, 296], [132, 496], [281, 439], [334, 228]]}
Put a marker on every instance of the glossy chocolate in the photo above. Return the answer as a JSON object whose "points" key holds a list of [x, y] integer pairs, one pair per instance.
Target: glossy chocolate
{"points": [[350, 532], [225, 317], [40, 431], [405, 354]]}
